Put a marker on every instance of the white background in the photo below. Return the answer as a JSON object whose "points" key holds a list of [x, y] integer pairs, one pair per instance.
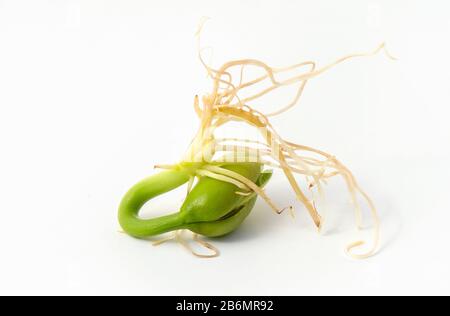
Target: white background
{"points": [[94, 93]]}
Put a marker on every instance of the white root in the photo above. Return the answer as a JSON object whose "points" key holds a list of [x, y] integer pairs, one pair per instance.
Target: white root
{"points": [[178, 237]]}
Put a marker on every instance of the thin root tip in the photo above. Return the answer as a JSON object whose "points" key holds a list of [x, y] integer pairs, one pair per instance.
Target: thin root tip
{"points": [[319, 227], [319, 224], [387, 53], [354, 245]]}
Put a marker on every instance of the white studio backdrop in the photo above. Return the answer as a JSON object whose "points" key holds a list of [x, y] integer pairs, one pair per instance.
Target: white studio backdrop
{"points": [[94, 93]]}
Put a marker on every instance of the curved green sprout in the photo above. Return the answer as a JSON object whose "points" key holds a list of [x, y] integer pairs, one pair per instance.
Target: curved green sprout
{"points": [[213, 208]]}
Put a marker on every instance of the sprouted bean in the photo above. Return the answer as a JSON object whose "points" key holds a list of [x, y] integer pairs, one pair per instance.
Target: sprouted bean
{"points": [[228, 102]]}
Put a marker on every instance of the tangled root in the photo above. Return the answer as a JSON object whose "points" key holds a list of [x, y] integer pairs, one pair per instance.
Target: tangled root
{"points": [[226, 103]]}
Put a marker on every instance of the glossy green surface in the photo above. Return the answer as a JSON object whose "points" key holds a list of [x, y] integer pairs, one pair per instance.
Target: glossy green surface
{"points": [[211, 209]]}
